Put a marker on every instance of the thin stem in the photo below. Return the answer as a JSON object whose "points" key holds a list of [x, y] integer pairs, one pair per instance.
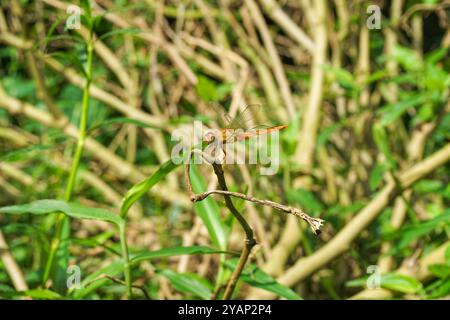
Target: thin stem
{"points": [[250, 241], [61, 218], [125, 257], [314, 223], [239, 268], [222, 184]]}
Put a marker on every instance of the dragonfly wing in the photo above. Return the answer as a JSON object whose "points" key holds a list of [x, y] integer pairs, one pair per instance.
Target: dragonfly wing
{"points": [[245, 118], [223, 118]]}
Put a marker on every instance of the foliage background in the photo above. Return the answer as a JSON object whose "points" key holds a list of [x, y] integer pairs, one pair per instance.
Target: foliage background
{"points": [[364, 109]]}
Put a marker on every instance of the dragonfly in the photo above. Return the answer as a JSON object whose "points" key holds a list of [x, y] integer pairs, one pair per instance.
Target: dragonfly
{"points": [[236, 129]]}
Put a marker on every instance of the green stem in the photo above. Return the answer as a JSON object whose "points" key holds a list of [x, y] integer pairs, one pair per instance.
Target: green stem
{"points": [[125, 257], [61, 218]]}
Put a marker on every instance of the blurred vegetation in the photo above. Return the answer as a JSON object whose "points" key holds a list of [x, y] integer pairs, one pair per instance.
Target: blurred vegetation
{"points": [[86, 122]]}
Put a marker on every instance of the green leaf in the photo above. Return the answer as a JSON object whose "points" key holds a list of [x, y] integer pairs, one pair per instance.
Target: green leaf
{"points": [[173, 251], [73, 210], [427, 186], [125, 31], [392, 112], [345, 79], [42, 294], [209, 212], [400, 283], [23, 153], [88, 284], [222, 91], [407, 58], [436, 55], [411, 233], [86, 5], [439, 288], [188, 283], [440, 270], [326, 133], [206, 89], [290, 138], [360, 282], [59, 274], [343, 211], [142, 187], [376, 176], [434, 78], [257, 278], [447, 255], [381, 139]]}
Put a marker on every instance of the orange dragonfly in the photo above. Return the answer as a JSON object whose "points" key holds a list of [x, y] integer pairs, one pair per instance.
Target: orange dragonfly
{"points": [[234, 129]]}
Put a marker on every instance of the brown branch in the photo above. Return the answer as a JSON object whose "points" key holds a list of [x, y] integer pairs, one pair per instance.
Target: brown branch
{"points": [[314, 223], [250, 242], [13, 270]]}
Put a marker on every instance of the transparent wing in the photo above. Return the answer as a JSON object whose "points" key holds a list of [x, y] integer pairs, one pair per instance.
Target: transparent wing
{"points": [[223, 118], [245, 118]]}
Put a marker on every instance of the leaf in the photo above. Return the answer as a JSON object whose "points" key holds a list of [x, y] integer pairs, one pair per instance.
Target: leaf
{"points": [[257, 278], [440, 270], [42, 294], [392, 112], [188, 283], [113, 269], [19, 87], [411, 233], [447, 255], [376, 176], [73, 210], [343, 211], [434, 79], [209, 212], [381, 139], [124, 31], [206, 89], [436, 55], [360, 282], [345, 79], [427, 186], [59, 274], [400, 283], [407, 58], [23, 153], [86, 5], [222, 91], [326, 133], [291, 134], [138, 190], [439, 288], [173, 251]]}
